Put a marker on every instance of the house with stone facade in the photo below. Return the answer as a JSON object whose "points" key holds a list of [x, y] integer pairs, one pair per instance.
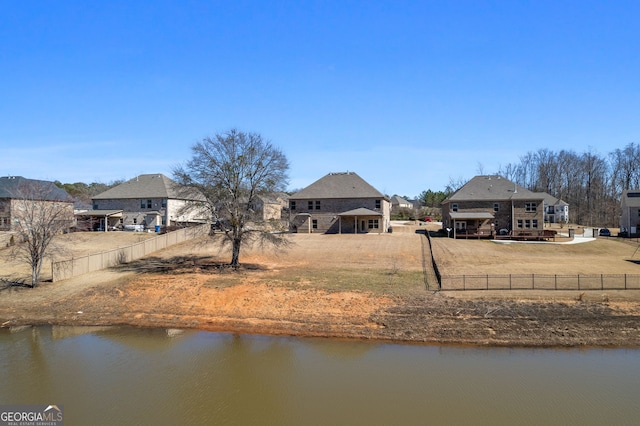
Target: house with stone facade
{"points": [[147, 200], [339, 203], [487, 206], [15, 190]]}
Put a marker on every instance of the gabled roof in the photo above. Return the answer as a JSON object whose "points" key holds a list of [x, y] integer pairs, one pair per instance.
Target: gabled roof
{"points": [[492, 188], [361, 211], [145, 186], [273, 198], [550, 200], [338, 185], [396, 199], [20, 187]]}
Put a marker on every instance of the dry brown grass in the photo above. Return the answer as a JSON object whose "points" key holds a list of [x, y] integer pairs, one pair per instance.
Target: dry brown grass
{"points": [[602, 256], [363, 286], [72, 245]]}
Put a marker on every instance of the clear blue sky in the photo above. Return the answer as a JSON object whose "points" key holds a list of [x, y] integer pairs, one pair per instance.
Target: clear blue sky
{"points": [[408, 94]]}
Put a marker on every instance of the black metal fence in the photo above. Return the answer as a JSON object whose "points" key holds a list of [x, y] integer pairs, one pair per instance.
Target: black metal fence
{"points": [[540, 282], [434, 265]]}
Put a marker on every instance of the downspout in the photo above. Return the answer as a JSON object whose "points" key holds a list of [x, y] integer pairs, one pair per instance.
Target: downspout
{"points": [[513, 225]]}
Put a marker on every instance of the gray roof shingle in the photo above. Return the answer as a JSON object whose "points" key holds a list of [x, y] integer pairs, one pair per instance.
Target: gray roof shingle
{"points": [[492, 188], [145, 186], [338, 185], [19, 187]]}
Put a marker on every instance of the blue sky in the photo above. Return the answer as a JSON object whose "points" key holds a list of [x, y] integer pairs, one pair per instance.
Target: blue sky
{"points": [[408, 94]]}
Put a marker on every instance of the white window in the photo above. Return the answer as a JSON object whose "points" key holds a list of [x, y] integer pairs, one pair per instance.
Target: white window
{"points": [[454, 207], [530, 207], [373, 223]]}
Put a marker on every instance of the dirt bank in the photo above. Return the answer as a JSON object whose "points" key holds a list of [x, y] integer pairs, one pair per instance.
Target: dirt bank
{"points": [[372, 287]]}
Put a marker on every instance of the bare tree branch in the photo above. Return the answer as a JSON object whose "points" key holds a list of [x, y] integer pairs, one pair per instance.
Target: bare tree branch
{"points": [[232, 170]]}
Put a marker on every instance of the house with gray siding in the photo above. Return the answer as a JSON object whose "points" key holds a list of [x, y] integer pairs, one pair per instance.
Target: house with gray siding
{"points": [[555, 210], [149, 200], [490, 205], [339, 203], [630, 213]]}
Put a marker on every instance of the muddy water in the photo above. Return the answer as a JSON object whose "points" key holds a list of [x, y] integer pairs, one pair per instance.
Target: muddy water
{"points": [[129, 376]]}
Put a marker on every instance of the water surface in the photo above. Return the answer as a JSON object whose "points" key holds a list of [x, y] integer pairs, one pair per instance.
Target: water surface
{"points": [[133, 376]]}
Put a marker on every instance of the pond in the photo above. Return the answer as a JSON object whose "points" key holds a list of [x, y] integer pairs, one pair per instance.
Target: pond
{"points": [[107, 376]]}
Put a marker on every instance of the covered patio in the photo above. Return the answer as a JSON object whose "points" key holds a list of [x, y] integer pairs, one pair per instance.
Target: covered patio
{"points": [[98, 220], [473, 224], [360, 221]]}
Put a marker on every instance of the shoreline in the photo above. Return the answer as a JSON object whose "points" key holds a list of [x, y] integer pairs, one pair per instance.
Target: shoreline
{"points": [[427, 320], [344, 287]]}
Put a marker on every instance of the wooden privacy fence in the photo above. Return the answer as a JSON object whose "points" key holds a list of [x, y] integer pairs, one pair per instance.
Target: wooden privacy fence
{"points": [[540, 282], [65, 269]]}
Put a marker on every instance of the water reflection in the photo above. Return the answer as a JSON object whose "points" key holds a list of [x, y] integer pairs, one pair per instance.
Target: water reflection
{"points": [[134, 376]]}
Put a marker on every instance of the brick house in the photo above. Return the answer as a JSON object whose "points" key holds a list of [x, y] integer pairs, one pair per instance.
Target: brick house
{"points": [[148, 200], [16, 189], [339, 203], [492, 205]]}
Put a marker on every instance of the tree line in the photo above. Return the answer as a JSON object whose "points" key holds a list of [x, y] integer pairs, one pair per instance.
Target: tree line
{"points": [[592, 184], [82, 193]]}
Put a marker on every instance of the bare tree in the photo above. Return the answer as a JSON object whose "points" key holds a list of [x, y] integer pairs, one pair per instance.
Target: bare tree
{"points": [[40, 212], [455, 184], [232, 170]]}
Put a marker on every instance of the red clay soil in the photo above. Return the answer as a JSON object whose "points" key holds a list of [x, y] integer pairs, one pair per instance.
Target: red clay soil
{"points": [[181, 288]]}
